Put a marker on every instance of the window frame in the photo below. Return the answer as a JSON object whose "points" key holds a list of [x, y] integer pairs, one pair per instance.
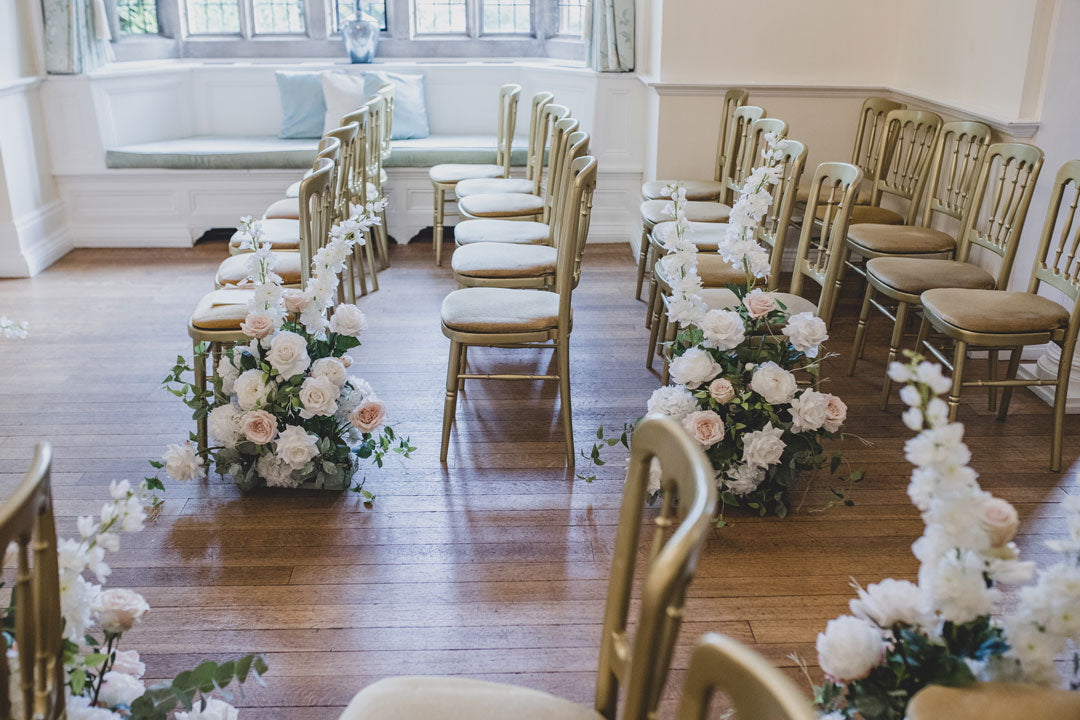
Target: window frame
{"points": [[320, 41]]}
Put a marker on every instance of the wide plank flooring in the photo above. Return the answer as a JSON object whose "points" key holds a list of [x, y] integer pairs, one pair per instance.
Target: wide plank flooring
{"points": [[494, 566]]}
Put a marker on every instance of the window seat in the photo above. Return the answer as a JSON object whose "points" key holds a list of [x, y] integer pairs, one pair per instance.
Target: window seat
{"points": [[268, 152]]}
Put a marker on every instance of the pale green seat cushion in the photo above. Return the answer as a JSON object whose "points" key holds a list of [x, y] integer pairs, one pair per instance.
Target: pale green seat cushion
{"points": [[268, 152]]}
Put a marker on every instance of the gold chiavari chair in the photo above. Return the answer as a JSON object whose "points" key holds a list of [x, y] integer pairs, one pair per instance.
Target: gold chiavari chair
{"points": [[532, 183], [518, 265], [993, 701], [522, 318], [1000, 319], [754, 687], [26, 519], [217, 316], [653, 211], [293, 191], [633, 666], [714, 271], [715, 189], [993, 220], [707, 235], [819, 258], [384, 119], [360, 190], [445, 177]]}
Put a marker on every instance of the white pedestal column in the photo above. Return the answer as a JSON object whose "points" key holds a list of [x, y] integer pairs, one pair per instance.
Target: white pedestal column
{"points": [[1046, 368]]}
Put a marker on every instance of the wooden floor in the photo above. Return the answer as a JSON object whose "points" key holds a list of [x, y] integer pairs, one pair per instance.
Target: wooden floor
{"points": [[494, 566]]}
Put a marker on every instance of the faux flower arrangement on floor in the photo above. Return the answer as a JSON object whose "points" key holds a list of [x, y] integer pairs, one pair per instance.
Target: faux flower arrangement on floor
{"points": [[13, 329], [945, 630], [734, 376], [284, 409], [102, 681]]}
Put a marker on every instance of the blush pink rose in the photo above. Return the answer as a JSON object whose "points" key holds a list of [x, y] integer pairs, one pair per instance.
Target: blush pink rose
{"points": [[1000, 521], [835, 414], [295, 300], [721, 390], [257, 325], [705, 426], [368, 415], [759, 304], [259, 426]]}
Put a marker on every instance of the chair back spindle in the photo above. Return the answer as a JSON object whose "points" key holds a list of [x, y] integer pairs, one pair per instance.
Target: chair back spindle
{"points": [[958, 160], [506, 125], [905, 153], [739, 135], [869, 133], [560, 145], [774, 225], [318, 212], [733, 100], [576, 146], [1057, 264], [550, 116], [750, 153]]}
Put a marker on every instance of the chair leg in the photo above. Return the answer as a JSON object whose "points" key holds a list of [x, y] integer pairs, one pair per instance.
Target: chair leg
{"points": [[654, 291], [654, 328], [991, 391], [957, 379], [661, 332], [199, 361], [384, 241], [463, 366], [1010, 374], [1061, 394], [369, 252], [894, 350], [924, 332], [860, 331], [643, 258], [450, 403], [671, 330], [562, 349], [437, 231]]}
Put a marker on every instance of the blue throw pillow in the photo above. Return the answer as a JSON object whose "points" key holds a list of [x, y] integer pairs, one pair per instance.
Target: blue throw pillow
{"points": [[302, 104], [410, 107]]}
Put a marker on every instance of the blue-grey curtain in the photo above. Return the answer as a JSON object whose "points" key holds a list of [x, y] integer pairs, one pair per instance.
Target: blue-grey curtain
{"points": [[76, 36], [611, 36]]}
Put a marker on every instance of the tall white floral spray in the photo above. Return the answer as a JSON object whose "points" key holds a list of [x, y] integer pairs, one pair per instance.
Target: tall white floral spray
{"points": [[734, 368], [13, 329], [947, 629]]}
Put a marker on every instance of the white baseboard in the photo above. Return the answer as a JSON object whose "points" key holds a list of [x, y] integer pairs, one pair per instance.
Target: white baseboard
{"points": [[43, 238]]}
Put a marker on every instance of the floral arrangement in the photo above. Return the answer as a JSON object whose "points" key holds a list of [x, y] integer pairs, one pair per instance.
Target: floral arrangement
{"points": [[284, 409], [104, 682], [734, 374], [12, 329], [902, 636]]}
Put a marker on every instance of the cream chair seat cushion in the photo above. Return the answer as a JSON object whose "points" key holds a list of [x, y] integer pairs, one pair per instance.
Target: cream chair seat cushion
{"points": [[456, 698], [289, 207], [452, 173], [500, 310], [993, 701], [722, 298], [502, 205], [695, 189], [706, 236], [899, 239], [293, 191], [917, 275], [478, 186], [234, 269], [652, 211], [525, 232], [715, 272], [504, 260], [995, 311], [222, 309], [282, 234]]}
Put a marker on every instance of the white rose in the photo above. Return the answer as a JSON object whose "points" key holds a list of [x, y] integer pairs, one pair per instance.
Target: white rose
{"points": [[773, 383], [251, 391], [694, 367], [675, 401], [224, 424], [118, 609], [743, 479], [127, 661], [1000, 521], [288, 354], [348, 320], [330, 368], [806, 331], [182, 462], [119, 688], [723, 329], [889, 602], [763, 447], [79, 708], [275, 472], [296, 447], [215, 710], [228, 369], [849, 649], [318, 396], [808, 411]]}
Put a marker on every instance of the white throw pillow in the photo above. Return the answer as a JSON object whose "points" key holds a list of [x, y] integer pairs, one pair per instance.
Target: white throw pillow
{"points": [[344, 93]]}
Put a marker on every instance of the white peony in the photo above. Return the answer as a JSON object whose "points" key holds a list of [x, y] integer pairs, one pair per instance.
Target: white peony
{"points": [[318, 396], [675, 401], [275, 472], [773, 383], [348, 320], [744, 479], [288, 354], [182, 462], [79, 708], [215, 710], [694, 367], [849, 649], [891, 601], [806, 331], [119, 688], [296, 447], [723, 329], [330, 368], [224, 424], [763, 447], [251, 390], [808, 411]]}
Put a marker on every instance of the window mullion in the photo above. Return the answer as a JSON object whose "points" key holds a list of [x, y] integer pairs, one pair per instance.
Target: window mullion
{"points": [[247, 18], [472, 21], [169, 18], [315, 19]]}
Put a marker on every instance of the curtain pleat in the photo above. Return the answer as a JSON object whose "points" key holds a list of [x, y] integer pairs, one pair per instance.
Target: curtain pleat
{"points": [[611, 36], [76, 36]]}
